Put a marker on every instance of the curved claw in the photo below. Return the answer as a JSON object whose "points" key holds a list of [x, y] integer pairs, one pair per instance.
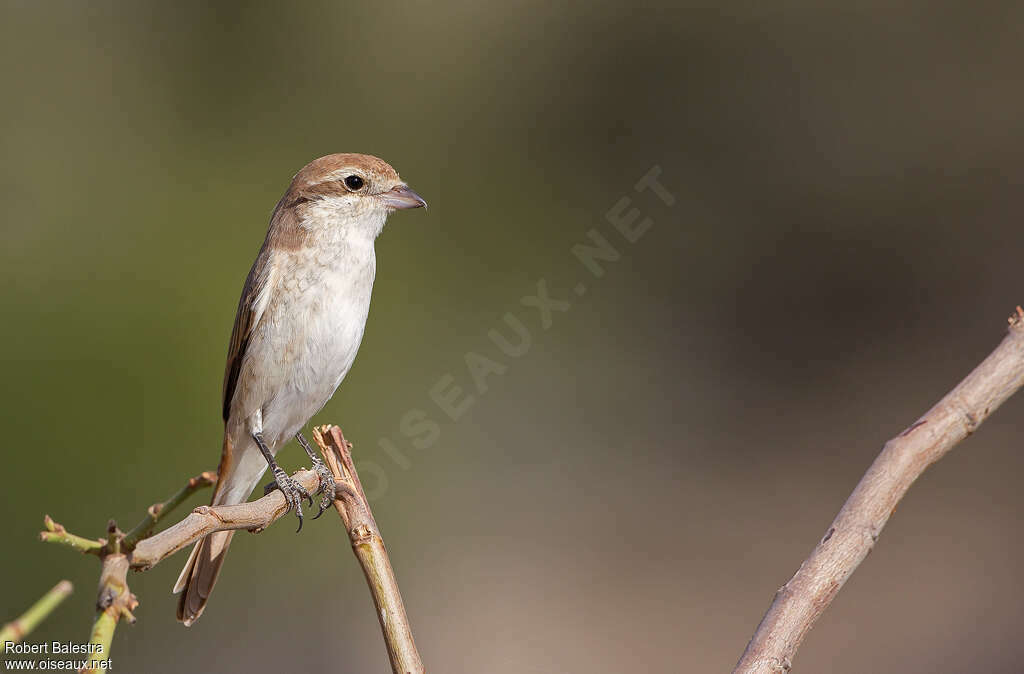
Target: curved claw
{"points": [[324, 504], [326, 487], [295, 501], [293, 494]]}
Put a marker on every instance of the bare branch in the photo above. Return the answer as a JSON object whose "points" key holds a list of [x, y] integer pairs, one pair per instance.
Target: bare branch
{"points": [[799, 603], [254, 516], [141, 550], [368, 546], [115, 600]]}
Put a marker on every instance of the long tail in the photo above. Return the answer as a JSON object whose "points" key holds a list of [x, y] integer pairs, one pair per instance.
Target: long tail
{"points": [[240, 471]]}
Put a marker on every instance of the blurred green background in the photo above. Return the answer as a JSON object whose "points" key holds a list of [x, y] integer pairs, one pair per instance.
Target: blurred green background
{"points": [[627, 496]]}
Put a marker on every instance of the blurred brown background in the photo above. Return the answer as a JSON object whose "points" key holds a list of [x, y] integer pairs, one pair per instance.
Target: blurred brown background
{"points": [[626, 496]]}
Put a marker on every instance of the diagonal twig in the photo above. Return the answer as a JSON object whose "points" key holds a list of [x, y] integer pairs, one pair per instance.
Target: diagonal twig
{"points": [[158, 511], [19, 628], [799, 603]]}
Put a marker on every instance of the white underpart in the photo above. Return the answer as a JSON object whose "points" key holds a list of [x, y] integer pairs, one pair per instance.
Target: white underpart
{"points": [[311, 318]]}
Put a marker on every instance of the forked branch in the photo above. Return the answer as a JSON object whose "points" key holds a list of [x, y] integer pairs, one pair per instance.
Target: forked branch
{"points": [[140, 549]]}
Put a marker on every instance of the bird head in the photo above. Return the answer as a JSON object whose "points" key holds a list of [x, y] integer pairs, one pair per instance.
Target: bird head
{"points": [[349, 187]]}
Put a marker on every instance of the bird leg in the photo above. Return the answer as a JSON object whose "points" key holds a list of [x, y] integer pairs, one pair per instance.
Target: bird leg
{"points": [[292, 490], [326, 477]]}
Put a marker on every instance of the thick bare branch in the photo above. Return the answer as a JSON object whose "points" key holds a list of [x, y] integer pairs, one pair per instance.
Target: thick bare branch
{"points": [[799, 603], [368, 546], [254, 516]]}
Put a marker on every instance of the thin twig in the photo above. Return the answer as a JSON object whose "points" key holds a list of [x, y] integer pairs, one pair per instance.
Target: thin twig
{"points": [[19, 628], [368, 546], [799, 603], [56, 533], [159, 511]]}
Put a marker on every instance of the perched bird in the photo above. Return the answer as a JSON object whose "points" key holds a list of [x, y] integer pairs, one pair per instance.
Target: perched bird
{"points": [[299, 324]]}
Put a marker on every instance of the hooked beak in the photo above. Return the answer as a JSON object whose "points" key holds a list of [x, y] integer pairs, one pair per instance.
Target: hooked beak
{"points": [[402, 197]]}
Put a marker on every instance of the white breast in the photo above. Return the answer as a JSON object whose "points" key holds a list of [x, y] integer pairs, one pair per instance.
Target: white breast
{"points": [[310, 331]]}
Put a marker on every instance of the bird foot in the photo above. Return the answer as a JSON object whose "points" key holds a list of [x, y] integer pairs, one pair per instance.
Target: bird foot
{"points": [[326, 487], [293, 493]]}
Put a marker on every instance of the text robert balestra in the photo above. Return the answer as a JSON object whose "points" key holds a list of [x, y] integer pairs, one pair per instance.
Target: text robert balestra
{"points": [[51, 648]]}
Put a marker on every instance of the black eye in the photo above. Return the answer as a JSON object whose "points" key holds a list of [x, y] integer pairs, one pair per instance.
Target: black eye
{"points": [[354, 183]]}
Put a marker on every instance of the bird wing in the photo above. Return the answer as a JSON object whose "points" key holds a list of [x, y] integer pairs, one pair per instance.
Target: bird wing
{"points": [[255, 296], [245, 322]]}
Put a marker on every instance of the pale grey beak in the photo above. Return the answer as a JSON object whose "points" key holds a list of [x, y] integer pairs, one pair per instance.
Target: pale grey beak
{"points": [[402, 197]]}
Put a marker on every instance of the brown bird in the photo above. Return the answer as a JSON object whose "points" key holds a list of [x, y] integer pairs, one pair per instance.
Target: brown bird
{"points": [[299, 324]]}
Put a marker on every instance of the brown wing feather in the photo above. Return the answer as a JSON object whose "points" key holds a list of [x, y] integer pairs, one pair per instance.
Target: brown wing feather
{"points": [[283, 233], [244, 324]]}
